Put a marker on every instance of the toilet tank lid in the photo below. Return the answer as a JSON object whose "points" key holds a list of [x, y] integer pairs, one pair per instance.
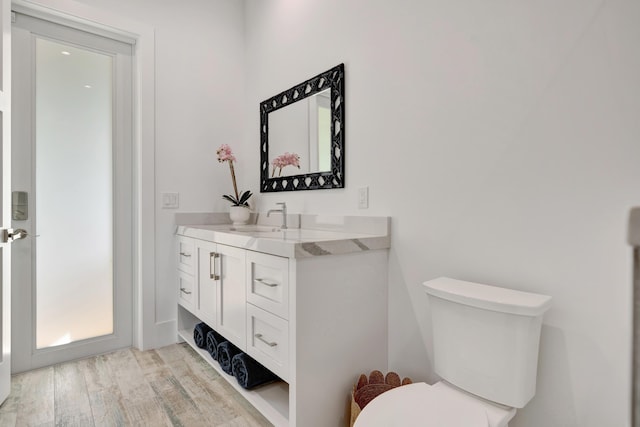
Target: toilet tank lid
{"points": [[488, 297]]}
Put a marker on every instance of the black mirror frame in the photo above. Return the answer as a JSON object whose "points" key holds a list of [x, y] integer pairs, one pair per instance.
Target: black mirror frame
{"points": [[334, 79]]}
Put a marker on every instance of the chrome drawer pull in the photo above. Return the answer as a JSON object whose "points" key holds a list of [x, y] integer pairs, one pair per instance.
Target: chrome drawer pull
{"points": [[264, 282], [185, 254], [185, 291], [270, 344], [212, 274]]}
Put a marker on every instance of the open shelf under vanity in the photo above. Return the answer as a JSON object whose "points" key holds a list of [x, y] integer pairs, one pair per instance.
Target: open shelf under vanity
{"points": [[271, 400]]}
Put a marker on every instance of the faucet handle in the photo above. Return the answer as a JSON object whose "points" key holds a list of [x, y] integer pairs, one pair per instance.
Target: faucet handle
{"points": [[283, 204]]}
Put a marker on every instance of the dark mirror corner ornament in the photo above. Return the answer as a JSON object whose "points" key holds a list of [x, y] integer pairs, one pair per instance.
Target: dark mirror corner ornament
{"points": [[333, 79]]}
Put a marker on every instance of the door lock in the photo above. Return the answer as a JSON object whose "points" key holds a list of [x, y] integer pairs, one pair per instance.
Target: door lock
{"points": [[19, 206]]}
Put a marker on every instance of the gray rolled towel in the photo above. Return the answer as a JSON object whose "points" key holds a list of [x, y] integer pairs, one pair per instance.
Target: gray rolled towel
{"points": [[213, 340], [200, 334], [249, 372], [226, 351]]}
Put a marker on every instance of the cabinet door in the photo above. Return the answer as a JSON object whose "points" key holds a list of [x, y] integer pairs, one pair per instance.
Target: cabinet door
{"points": [[231, 316], [207, 302]]}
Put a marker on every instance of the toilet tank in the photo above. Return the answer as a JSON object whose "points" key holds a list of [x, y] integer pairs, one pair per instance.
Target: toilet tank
{"points": [[485, 338]]}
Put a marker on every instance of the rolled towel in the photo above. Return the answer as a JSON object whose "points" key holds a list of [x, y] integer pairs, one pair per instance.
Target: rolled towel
{"points": [[213, 340], [250, 373], [226, 351], [200, 334]]}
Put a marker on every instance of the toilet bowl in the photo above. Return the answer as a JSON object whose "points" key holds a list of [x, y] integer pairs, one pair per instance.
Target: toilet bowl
{"points": [[438, 405], [485, 349]]}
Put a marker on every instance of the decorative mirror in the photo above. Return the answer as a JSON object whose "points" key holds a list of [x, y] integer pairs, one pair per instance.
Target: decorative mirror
{"points": [[302, 135]]}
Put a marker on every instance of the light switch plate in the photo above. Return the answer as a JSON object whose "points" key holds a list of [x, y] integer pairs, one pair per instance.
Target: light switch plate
{"points": [[363, 198], [170, 200]]}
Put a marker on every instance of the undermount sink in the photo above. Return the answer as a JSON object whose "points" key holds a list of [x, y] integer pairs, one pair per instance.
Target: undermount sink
{"points": [[253, 228], [271, 232]]}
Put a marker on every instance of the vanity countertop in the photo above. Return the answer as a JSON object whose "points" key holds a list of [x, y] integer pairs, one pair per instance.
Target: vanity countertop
{"points": [[295, 242]]}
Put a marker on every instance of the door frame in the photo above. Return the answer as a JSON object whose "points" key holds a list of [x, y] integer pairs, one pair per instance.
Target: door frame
{"points": [[5, 200], [147, 331]]}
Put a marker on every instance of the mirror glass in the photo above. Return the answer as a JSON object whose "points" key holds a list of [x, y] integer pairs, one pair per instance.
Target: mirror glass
{"points": [[302, 135], [304, 129]]}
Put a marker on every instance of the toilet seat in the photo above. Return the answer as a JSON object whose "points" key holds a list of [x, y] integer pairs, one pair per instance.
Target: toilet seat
{"points": [[420, 405]]}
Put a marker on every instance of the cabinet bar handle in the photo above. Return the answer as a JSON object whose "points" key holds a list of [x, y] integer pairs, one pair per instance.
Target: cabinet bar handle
{"points": [[185, 254], [270, 344], [212, 257], [185, 291], [264, 282]]}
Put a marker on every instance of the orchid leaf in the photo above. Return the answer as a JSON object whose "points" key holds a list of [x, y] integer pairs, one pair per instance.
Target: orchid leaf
{"points": [[244, 197], [231, 199]]}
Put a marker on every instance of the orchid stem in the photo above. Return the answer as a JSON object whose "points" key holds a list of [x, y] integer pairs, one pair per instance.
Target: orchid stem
{"points": [[233, 179]]}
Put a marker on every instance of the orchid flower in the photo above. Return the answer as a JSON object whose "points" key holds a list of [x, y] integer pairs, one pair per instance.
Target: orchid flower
{"points": [[286, 159]]}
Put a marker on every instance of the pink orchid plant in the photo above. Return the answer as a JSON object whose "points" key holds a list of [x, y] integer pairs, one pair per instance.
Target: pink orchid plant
{"points": [[286, 159], [226, 155]]}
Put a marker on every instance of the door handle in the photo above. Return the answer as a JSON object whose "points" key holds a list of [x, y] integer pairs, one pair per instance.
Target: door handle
{"points": [[269, 343], [265, 282], [9, 234]]}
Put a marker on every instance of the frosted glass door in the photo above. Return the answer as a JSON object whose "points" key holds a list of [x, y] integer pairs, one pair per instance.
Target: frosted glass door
{"points": [[74, 194], [72, 147]]}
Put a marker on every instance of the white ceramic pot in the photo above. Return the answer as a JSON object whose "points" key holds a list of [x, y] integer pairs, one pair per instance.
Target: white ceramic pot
{"points": [[239, 214]]}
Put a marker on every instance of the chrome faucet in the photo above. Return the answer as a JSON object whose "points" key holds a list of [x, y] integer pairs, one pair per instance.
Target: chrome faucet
{"points": [[283, 211]]}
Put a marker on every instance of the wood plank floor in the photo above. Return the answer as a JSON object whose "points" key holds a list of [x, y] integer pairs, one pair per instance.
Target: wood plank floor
{"points": [[170, 386]]}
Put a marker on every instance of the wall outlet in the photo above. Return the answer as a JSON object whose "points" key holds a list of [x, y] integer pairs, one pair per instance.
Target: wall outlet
{"points": [[363, 198], [170, 200]]}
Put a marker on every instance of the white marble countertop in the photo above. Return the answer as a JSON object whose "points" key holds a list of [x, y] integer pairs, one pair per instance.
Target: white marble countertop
{"points": [[321, 236]]}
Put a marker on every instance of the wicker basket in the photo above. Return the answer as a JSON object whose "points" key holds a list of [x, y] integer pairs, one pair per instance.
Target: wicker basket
{"points": [[367, 389]]}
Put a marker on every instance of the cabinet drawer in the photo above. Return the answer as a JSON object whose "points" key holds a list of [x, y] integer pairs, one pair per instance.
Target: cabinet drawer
{"points": [[186, 290], [186, 255], [268, 340], [268, 283]]}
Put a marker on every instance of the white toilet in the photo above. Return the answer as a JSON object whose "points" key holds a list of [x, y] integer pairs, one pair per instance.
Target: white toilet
{"points": [[485, 349]]}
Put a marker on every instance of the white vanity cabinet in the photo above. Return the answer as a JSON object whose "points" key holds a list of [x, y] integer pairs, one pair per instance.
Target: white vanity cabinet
{"points": [[316, 319]]}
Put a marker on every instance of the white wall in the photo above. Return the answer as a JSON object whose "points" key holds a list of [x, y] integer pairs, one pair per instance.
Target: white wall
{"points": [[502, 137]]}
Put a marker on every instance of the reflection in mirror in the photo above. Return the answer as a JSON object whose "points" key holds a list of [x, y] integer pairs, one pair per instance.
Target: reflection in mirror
{"points": [[302, 135], [303, 128]]}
